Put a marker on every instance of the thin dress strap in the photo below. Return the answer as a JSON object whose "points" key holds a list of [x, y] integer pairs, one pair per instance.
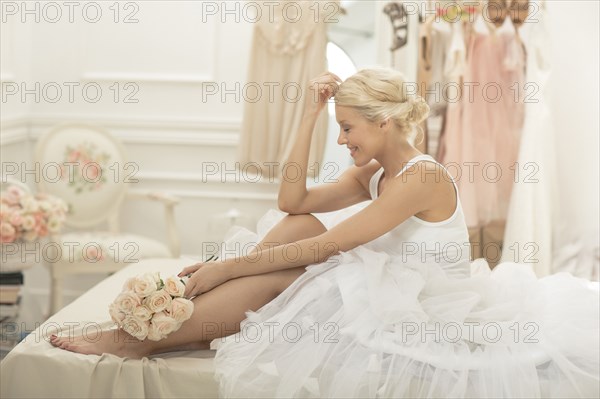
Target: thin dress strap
{"points": [[374, 182]]}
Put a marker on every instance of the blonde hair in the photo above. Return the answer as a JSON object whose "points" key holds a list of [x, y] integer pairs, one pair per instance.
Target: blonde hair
{"points": [[379, 93]]}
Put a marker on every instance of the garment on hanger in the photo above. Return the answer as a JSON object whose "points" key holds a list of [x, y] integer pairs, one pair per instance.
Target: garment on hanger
{"points": [[436, 94], [486, 147], [285, 55], [528, 236], [454, 69]]}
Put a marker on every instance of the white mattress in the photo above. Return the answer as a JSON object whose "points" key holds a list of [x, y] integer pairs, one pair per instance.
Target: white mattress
{"points": [[35, 369]]}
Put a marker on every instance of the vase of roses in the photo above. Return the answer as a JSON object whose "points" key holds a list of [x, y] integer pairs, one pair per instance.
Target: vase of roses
{"points": [[24, 220]]}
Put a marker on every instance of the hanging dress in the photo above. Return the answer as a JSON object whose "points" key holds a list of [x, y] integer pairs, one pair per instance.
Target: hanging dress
{"points": [[528, 234], [288, 49], [483, 140]]}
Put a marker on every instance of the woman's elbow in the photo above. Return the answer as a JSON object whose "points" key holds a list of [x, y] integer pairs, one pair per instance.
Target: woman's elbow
{"points": [[284, 206]]}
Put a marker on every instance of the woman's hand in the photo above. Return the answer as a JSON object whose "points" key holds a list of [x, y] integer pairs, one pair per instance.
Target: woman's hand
{"points": [[204, 277], [321, 89]]}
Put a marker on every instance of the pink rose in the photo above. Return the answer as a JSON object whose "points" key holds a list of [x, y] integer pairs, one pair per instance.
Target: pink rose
{"points": [[15, 218], [161, 325], [42, 230], [181, 309], [127, 301], [158, 301], [93, 253], [174, 286], [7, 232], [15, 191]]}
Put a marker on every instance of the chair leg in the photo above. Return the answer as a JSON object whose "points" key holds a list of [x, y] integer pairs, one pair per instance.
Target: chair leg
{"points": [[56, 292]]}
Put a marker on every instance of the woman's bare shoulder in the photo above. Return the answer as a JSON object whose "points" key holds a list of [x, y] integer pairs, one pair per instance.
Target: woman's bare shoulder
{"points": [[364, 173]]}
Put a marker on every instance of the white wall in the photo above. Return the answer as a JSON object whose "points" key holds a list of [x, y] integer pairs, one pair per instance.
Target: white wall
{"points": [[575, 89]]}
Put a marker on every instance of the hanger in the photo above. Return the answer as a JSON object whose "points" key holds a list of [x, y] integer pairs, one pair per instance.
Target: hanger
{"points": [[517, 10], [399, 19]]}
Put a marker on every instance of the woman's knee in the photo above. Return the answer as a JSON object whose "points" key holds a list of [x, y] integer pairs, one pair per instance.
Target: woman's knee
{"points": [[298, 227]]}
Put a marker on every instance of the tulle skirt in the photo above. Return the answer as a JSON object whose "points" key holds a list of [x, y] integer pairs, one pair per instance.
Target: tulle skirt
{"points": [[363, 324]]}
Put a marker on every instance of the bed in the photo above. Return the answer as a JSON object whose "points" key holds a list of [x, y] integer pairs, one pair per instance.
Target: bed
{"points": [[35, 369]]}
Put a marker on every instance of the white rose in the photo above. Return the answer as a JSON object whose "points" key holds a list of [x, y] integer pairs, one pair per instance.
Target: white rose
{"points": [[29, 204], [144, 285], [142, 313], [181, 309], [129, 283], [116, 314], [127, 301], [158, 301], [174, 286], [28, 222], [44, 206], [161, 325], [54, 225], [156, 277], [136, 328]]}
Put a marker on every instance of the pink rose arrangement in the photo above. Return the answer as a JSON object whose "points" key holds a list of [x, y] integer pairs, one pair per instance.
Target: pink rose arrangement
{"points": [[150, 307], [29, 217]]}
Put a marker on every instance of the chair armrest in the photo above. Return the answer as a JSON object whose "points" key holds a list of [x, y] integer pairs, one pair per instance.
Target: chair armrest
{"points": [[169, 202], [166, 199]]}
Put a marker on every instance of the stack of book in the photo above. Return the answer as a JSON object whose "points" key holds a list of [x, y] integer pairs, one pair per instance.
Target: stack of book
{"points": [[10, 298]]}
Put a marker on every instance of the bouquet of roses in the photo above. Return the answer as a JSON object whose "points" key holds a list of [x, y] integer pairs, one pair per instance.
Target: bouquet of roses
{"points": [[29, 217], [151, 308]]}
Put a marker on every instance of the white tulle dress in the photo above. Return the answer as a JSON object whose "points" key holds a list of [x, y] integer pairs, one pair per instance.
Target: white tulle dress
{"points": [[408, 315]]}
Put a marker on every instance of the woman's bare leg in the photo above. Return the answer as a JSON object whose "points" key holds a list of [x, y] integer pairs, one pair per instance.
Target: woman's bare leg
{"points": [[218, 312]]}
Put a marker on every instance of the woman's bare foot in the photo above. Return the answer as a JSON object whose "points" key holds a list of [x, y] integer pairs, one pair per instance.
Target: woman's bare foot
{"points": [[115, 341]]}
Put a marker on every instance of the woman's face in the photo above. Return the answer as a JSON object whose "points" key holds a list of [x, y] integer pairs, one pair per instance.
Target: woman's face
{"points": [[356, 133]]}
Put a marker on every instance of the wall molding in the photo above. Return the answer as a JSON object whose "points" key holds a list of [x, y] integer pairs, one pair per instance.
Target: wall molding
{"points": [[14, 130], [7, 77], [221, 195], [221, 124], [146, 77], [182, 131], [197, 178]]}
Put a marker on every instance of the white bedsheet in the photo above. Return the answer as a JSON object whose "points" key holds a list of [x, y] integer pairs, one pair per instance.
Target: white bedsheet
{"points": [[35, 369]]}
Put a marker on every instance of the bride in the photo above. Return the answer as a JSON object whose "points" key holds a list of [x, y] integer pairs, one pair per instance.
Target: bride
{"points": [[381, 301]]}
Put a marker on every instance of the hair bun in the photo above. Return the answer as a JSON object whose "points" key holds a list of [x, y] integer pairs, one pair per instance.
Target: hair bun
{"points": [[419, 110]]}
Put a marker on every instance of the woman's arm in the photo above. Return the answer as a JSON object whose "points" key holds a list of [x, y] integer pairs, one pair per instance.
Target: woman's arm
{"points": [[318, 92], [399, 201], [404, 196]]}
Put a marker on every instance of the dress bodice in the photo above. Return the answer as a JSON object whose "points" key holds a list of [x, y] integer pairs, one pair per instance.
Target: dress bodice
{"points": [[418, 242]]}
